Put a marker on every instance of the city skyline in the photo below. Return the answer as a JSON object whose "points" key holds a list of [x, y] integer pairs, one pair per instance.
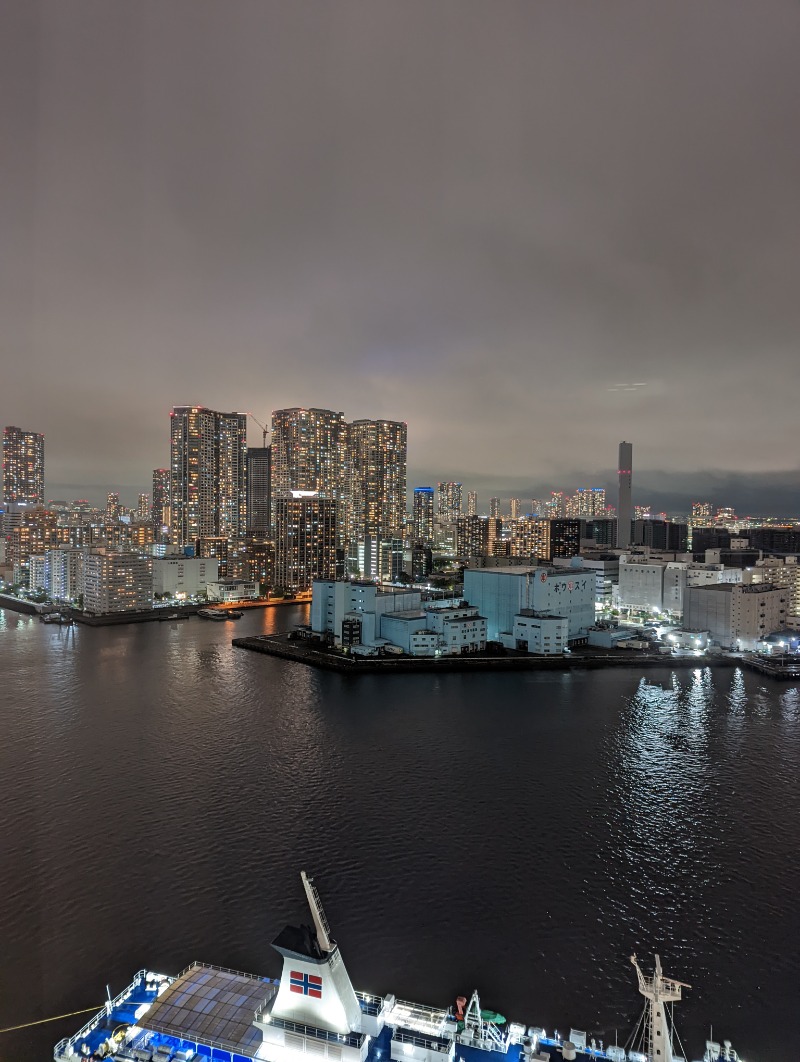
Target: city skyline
{"points": [[528, 235]]}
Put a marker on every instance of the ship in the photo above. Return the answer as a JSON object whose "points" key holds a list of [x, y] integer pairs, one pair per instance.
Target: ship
{"points": [[215, 1014]]}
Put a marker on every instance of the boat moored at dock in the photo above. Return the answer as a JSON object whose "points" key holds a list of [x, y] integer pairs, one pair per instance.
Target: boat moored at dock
{"points": [[221, 1015]]}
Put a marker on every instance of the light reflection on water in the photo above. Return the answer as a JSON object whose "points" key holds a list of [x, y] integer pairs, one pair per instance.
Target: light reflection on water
{"points": [[522, 833]]}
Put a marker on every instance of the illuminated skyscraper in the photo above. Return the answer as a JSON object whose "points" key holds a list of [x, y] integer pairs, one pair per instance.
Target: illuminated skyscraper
{"points": [[23, 466], [305, 538], [449, 507], [472, 503], [515, 508], [494, 507], [208, 455], [113, 507], [160, 506], [143, 508], [625, 503], [259, 489], [375, 488], [309, 453], [422, 515], [586, 503]]}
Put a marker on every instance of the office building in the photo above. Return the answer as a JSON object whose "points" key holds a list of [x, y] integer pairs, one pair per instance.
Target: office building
{"points": [[661, 534], [117, 582], [422, 515], [449, 501], [305, 538], [23, 467], [625, 498], [208, 452], [701, 513], [375, 481], [259, 490]]}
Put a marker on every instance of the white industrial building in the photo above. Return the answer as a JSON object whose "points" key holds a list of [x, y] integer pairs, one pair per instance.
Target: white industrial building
{"points": [[657, 585], [736, 615], [506, 595], [359, 614], [177, 575]]}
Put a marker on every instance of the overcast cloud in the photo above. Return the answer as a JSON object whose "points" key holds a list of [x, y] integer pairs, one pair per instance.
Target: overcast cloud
{"points": [[490, 219]]}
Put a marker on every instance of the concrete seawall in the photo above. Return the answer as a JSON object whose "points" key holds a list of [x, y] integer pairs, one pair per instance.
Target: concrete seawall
{"points": [[277, 645]]}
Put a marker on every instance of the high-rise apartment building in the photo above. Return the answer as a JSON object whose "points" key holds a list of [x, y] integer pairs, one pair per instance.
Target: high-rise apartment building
{"points": [[422, 515], [515, 508], [259, 490], [472, 503], [305, 538], [449, 507], [494, 507], [160, 515], [143, 507], [117, 582], [625, 500], [586, 503], [476, 535], [375, 488], [208, 452], [23, 466], [309, 453], [532, 537], [113, 507]]}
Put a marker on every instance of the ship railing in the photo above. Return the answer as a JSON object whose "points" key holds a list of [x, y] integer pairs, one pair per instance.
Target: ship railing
{"points": [[149, 1034], [429, 1043], [372, 1005], [93, 1022], [227, 970], [348, 1039]]}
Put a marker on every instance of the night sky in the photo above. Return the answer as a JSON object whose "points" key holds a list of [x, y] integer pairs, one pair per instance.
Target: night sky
{"points": [[529, 229]]}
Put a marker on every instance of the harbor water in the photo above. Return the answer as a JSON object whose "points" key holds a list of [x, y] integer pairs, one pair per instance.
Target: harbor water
{"points": [[521, 833]]}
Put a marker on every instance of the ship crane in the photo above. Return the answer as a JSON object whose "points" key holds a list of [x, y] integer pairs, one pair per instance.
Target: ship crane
{"points": [[264, 429]]}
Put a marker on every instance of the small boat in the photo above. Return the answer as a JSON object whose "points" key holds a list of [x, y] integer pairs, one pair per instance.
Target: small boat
{"points": [[234, 613], [56, 617], [173, 616], [212, 613]]}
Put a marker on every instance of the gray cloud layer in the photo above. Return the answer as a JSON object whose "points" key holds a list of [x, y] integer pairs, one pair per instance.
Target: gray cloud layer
{"points": [[486, 219]]}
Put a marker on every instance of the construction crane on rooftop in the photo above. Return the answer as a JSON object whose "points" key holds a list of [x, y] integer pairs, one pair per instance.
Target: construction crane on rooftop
{"points": [[264, 429]]}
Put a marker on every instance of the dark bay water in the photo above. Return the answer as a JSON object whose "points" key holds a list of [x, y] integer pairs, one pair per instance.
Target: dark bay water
{"points": [[522, 834]]}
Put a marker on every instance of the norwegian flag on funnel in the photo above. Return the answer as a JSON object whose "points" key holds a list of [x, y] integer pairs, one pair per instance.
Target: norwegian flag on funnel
{"points": [[305, 984]]}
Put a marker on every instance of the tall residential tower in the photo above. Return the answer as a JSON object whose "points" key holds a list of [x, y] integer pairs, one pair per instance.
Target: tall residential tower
{"points": [[208, 453], [23, 466]]}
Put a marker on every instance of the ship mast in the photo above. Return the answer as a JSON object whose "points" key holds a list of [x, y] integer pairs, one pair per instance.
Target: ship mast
{"points": [[320, 921], [658, 990]]}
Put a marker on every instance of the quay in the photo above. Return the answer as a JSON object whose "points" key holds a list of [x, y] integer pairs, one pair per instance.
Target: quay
{"points": [[113, 619], [315, 656]]}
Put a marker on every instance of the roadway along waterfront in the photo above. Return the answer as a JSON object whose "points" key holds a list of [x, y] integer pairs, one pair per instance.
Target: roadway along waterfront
{"points": [[518, 832]]}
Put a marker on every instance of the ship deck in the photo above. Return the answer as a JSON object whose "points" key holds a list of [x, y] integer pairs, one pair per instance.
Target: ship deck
{"points": [[207, 1012]]}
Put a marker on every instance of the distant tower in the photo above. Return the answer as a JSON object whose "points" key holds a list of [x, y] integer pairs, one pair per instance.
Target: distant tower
{"points": [[494, 507], [625, 505], [472, 503], [449, 507]]}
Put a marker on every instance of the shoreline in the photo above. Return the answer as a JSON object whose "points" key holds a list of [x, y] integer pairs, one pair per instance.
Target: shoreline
{"points": [[280, 646], [112, 619]]}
